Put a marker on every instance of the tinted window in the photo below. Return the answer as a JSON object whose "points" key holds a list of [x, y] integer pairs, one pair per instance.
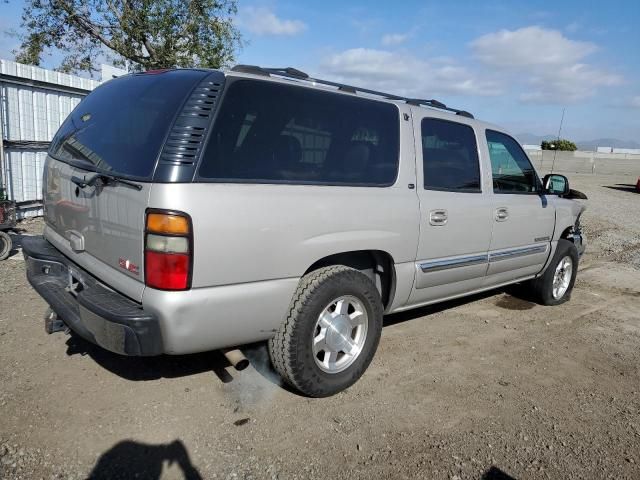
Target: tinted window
{"points": [[121, 125], [450, 156], [512, 170], [272, 133]]}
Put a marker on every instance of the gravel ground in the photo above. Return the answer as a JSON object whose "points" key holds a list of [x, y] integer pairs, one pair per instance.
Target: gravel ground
{"points": [[490, 387]]}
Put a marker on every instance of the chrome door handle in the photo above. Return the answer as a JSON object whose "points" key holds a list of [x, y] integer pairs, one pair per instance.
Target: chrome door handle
{"points": [[502, 214], [438, 217]]}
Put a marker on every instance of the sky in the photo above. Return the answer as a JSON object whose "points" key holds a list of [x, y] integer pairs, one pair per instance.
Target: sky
{"points": [[514, 63]]}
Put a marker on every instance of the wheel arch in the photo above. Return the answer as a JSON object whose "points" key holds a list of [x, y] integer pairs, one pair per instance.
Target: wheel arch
{"points": [[378, 265]]}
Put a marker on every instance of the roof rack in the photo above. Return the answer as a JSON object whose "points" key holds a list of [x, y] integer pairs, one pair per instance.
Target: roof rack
{"points": [[294, 73]]}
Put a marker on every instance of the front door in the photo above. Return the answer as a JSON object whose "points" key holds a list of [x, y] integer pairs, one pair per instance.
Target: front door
{"points": [[456, 222], [523, 220]]}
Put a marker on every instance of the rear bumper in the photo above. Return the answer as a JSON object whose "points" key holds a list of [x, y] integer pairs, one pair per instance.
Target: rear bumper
{"points": [[93, 311]]}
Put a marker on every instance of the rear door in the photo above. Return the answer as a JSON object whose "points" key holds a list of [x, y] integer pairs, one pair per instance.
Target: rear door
{"points": [[455, 223], [523, 220], [119, 130]]}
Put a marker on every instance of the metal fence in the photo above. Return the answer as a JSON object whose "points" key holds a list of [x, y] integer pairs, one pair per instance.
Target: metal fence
{"points": [[33, 104]]}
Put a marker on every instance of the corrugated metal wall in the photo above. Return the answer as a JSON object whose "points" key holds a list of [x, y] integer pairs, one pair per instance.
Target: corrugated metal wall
{"points": [[33, 104]]}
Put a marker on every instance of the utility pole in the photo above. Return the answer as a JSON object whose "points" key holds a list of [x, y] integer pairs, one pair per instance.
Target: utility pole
{"points": [[555, 152]]}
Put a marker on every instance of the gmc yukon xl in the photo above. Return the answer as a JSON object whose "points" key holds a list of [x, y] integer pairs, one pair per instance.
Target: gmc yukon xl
{"points": [[191, 210]]}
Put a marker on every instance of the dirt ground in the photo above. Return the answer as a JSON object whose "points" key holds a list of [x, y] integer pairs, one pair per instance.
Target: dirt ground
{"points": [[490, 387]]}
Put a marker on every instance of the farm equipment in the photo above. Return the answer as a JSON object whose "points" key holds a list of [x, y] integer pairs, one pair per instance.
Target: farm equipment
{"points": [[7, 222]]}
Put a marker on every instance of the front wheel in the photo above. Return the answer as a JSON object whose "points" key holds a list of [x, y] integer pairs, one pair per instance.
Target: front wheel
{"points": [[331, 332], [555, 285], [5, 245]]}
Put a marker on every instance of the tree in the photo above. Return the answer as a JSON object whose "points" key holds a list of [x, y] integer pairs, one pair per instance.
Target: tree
{"points": [[138, 34], [560, 144]]}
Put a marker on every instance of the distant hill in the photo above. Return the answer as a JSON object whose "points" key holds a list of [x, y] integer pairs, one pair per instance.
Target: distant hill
{"points": [[531, 139], [606, 142]]}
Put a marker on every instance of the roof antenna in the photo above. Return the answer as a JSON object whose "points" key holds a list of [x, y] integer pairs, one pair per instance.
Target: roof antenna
{"points": [[555, 152]]}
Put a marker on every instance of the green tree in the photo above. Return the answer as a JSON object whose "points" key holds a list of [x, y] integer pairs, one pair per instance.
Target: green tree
{"points": [[138, 34], [561, 144]]}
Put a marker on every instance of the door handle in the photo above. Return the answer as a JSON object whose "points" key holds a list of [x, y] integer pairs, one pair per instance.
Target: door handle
{"points": [[502, 214], [438, 218]]}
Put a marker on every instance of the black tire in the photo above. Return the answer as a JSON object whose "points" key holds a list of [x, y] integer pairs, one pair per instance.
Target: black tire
{"points": [[543, 285], [6, 245], [291, 349]]}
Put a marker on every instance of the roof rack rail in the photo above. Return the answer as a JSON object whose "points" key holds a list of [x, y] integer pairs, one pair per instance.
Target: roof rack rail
{"points": [[296, 74]]}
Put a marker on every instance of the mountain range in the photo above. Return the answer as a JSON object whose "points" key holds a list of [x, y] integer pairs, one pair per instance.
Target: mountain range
{"points": [[531, 139]]}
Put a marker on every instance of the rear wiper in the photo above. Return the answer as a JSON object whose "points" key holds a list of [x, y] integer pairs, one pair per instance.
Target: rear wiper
{"points": [[104, 179]]}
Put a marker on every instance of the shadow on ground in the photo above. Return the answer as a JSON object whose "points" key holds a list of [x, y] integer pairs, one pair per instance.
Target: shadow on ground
{"points": [[168, 366], [494, 473], [152, 368], [130, 459], [622, 187], [518, 297]]}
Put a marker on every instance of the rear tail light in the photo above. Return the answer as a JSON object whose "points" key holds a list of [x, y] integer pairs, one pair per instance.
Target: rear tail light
{"points": [[168, 250]]}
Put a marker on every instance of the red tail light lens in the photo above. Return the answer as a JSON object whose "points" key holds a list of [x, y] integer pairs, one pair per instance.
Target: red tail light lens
{"points": [[167, 271], [168, 250]]}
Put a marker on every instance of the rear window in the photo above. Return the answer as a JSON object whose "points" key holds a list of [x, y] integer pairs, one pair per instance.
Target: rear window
{"points": [[121, 126], [273, 133]]}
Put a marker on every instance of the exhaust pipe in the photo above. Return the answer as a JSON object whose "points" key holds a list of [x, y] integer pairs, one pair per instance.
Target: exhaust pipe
{"points": [[236, 358]]}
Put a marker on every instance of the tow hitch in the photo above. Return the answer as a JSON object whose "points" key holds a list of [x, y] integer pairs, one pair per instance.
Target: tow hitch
{"points": [[53, 324]]}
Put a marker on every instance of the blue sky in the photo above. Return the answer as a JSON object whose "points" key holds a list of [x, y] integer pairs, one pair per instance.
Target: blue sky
{"points": [[515, 63]]}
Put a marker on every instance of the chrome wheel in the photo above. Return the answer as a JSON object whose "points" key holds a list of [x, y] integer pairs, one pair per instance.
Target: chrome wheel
{"points": [[339, 334], [562, 277]]}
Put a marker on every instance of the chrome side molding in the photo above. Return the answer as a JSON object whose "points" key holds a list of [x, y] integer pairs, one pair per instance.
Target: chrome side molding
{"points": [[446, 264], [438, 265], [517, 252]]}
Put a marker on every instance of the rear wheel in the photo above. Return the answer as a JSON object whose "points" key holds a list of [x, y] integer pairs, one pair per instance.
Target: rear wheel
{"points": [[331, 333], [5, 245], [556, 283]]}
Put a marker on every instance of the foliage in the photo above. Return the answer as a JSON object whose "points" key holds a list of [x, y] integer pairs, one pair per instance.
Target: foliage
{"points": [[561, 144], [137, 34]]}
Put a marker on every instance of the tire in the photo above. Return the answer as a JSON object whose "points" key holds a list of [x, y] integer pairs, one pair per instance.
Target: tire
{"points": [[316, 367], [6, 245], [543, 286]]}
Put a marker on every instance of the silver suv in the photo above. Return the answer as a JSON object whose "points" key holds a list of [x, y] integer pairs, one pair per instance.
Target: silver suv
{"points": [[192, 210]]}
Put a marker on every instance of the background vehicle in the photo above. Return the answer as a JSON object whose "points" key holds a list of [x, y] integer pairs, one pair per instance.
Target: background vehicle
{"points": [[190, 210], [7, 223]]}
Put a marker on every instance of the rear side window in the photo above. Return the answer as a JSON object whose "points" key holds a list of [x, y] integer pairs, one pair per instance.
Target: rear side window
{"points": [[512, 170], [273, 133], [450, 156], [121, 126]]}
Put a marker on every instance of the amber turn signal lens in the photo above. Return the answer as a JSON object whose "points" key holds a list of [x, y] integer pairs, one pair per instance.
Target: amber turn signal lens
{"points": [[167, 223]]}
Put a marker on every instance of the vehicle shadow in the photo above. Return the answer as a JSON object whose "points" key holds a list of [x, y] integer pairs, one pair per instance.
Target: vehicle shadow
{"points": [[170, 366], [494, 473], [519, 298], [151, 368], [130, 459], [623, 187]]}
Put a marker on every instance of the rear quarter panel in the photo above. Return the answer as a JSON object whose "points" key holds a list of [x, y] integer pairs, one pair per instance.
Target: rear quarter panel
{"points": [[254, 232]]}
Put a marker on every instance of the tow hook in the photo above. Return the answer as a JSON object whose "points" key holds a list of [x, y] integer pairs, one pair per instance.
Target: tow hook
{"points": [[53, 324]]}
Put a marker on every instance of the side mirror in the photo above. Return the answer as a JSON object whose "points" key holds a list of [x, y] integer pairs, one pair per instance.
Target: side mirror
{"points": [[556, 184]]}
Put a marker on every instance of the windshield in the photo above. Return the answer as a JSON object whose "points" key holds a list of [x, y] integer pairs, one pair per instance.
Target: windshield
{"points": [[121, 126]]}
